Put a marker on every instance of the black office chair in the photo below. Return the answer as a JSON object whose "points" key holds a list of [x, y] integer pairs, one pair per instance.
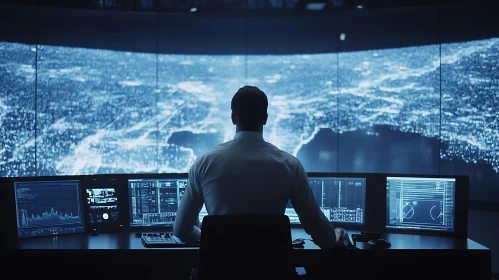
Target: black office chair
{"points": [[245, 247]]}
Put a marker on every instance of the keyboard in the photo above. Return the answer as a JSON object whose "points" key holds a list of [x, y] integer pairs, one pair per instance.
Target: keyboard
{"points": [[163, 240]]}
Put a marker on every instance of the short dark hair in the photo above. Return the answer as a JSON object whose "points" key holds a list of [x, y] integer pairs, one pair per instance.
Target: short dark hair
{"points": [[249, 105]]}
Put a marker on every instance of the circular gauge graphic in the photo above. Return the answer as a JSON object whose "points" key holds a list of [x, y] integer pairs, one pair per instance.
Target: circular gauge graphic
{"points": [[408, 211], [105, 216], [436, 213]]}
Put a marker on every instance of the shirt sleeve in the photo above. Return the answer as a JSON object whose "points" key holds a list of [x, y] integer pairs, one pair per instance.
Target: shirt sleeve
{"points": [[311, 217], [187, 226]]}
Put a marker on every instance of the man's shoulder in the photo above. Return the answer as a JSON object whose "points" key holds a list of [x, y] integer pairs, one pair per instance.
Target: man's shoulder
{"points": [[228, 147], [283, 153], [221, 148]]}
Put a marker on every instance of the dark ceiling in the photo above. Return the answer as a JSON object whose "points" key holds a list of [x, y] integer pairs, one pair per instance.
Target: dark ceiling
{"points": [[230, 5]]}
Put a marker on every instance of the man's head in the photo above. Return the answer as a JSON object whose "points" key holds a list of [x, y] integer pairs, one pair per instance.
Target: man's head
{"points": [[249, 109]]}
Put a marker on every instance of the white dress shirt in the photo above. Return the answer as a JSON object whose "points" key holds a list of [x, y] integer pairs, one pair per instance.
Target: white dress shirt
{"points": [[249, 176]]}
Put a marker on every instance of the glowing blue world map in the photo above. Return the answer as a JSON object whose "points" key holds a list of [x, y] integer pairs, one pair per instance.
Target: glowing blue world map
{"points": [[86, 111]]}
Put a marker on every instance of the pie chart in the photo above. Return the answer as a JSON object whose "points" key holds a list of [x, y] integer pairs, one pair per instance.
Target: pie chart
{"points": [[408, 211]]}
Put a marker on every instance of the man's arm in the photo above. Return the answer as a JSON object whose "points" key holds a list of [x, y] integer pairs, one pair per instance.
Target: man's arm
{"points": [[187, 226], [311, 217]]}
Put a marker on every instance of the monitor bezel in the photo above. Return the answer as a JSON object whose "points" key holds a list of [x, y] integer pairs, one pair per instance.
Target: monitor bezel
{"points": [[15, 180], [167, 176], [368, 212], [8, 208], [460, 207]]}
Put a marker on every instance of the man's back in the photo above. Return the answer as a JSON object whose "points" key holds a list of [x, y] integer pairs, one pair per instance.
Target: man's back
{"points": [[249, 176], [246, 176]]}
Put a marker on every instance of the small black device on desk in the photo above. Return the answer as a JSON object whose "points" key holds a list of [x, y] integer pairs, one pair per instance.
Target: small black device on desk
{"points": [[373, 239], [163, 240], [379, 244], [365, 237], [298, 243]]}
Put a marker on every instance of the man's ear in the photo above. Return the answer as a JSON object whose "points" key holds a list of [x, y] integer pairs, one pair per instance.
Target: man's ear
{"points": [[233, 117], [265, 119]]}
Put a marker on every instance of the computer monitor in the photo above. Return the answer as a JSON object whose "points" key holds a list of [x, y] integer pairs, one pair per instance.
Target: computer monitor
{"points": [[342, 200], [106, 202], [154, 201], [102, 205], [423, 204], [46, 208]]}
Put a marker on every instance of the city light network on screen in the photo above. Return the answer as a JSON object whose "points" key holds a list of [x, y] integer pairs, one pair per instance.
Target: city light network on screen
{"points": [[403, 110]]}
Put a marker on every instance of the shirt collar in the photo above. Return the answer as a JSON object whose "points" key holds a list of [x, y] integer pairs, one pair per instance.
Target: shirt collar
{"points": [[249, 135]]}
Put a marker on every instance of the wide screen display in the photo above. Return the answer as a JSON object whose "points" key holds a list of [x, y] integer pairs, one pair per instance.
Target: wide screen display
{"points": [[46, 208], [342, 200], [427, 109], [154, 202], [426, 204]]}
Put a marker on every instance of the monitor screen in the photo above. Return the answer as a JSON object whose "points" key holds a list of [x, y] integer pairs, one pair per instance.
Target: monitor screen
{"points": [[420, 203], [48, 208], [102, 205], [154, 202], [342, 200]]}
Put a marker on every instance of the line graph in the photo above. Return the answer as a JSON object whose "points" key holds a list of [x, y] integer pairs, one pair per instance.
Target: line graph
{"points": [[47, 218], [48, 208]]}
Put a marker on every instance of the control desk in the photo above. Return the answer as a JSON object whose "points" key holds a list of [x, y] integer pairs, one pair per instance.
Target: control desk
{"points": [[430, 255], [129, 241], [61, 222]]}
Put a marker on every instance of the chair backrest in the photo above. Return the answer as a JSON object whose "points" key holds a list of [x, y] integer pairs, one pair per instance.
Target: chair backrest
{"points": [[245, 246]]}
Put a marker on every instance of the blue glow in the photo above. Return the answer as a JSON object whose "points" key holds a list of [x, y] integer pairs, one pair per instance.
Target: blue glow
{"points": [[48, 208], [102, 111]]}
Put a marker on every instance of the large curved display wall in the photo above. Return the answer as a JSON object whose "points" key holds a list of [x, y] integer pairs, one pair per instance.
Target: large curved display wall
{"points": [[429, 109]]}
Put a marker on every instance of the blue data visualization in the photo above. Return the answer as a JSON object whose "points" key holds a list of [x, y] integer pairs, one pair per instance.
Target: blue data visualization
{"points": [[429, 109], [102, 205], [154, 202], [342, 200], [420, 203], [48, 208]]}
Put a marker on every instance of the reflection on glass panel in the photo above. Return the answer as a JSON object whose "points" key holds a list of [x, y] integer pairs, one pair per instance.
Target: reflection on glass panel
{"points": [[125, 4], [207, 5], [96, 111], [17, 109], [195, 92], [224, 5], [389, 110], [169, 5], [470, 119], [202, 5], [302, 94], [96, 4]]}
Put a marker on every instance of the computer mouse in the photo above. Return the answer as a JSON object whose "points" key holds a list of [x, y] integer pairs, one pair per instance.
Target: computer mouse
{"points": [[379, 243], [138, 235]]}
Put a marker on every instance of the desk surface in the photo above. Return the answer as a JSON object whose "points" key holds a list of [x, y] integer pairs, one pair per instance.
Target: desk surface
{"points": [[127, 241]]}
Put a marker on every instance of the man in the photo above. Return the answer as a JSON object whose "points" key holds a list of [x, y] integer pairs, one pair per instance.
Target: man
{"points": [[249, 176]]}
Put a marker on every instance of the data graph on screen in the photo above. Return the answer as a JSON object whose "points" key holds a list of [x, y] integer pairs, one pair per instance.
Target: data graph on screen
{"points": [[48, 208], [342, 200], [420, 203], [154, 202]]}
